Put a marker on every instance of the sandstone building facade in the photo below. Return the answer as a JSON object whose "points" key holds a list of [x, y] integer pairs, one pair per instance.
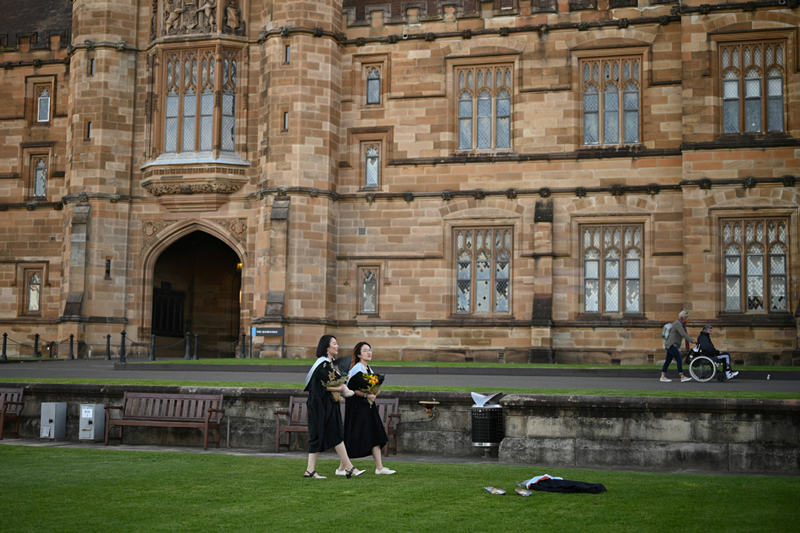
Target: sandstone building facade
{"points": [[525, 180]]}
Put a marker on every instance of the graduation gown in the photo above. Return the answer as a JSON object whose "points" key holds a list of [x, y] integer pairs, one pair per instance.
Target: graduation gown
{"points": [[325, 428], [363, 428]]}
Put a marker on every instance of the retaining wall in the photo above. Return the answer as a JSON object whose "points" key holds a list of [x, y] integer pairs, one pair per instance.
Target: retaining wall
{"points": [[669, 434]]}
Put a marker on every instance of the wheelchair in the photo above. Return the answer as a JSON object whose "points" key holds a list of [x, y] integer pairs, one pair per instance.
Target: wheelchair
{"points": [[704, 368]]}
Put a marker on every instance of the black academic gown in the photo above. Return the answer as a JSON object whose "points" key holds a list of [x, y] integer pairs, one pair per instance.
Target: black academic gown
{"points": [[325, 429], [363, 428]]}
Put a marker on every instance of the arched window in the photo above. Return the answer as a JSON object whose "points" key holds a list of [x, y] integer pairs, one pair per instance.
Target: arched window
{"points": [[483, 270], [40, 178], [618, 80], [619, 273], [754, 265], [33, 292], [372, 166], [368, 294], [752, 77], [484, 94], [43, 104], [192, 120], [373, 86]]}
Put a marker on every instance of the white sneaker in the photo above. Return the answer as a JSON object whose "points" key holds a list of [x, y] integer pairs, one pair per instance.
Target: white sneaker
{"points": [[664, 379], [384, 471], [731, 375], [684, 379]]}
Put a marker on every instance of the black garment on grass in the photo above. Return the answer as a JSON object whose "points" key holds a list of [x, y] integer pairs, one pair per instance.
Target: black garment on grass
{"points": [[363, 428], [325, 428], [565, 485]]}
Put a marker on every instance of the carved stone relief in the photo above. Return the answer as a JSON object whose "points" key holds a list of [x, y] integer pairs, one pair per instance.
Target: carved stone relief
{"points": [[151, 229], [237, 227], [232, 19], [189, 16]]}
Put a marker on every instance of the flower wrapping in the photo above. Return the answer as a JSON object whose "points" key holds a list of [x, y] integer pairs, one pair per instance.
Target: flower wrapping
{"points": [[367, 382], [335, 379]]}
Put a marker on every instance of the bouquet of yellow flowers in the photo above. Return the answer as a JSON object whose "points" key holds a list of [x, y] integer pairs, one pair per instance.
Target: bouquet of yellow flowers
{"points": [[335, 379], [374, 382]]}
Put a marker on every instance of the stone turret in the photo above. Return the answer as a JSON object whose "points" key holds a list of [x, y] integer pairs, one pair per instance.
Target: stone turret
{"points": [[99, 158]]}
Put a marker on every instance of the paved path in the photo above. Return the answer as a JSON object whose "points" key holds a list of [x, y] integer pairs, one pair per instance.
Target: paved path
{"points": [[498, 378]]}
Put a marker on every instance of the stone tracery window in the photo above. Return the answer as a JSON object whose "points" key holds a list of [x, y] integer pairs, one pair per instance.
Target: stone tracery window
{"points": [[752, 78], [612, 264], [483, 106], [483, 270], [194, 120], [611, 100], [39, 177], [368, 278], [754, 265], [373, 85]]}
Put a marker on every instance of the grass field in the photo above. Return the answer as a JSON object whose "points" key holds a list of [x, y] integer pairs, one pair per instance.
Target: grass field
{"points": [[70, 489]]}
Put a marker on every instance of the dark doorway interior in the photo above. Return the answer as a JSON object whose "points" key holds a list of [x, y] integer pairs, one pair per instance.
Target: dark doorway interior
{"points": [[196, 287]]}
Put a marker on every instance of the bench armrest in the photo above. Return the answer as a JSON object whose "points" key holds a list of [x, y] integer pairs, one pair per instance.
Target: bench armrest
{"points": [[6, 405], [214, 411], [393, 419], [110, 408]]}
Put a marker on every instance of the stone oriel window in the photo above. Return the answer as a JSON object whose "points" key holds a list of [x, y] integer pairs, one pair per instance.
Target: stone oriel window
{"points": [[754, 264], [373, 89], [612, 268], [372, 164], [483, 269], [368, 279], [38, 177], [483, 101], [752, 79], [611, 100], [194, 119]]}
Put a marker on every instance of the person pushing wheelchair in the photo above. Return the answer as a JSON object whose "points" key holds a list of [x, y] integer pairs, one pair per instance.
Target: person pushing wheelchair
{"points": [[707, 348]]}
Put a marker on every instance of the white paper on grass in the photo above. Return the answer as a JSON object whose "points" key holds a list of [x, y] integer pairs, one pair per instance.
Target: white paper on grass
{"points": [[484, 399]]}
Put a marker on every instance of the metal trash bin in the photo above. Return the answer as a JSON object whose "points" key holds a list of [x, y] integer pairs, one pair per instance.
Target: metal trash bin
{"points": [[488, 428]]}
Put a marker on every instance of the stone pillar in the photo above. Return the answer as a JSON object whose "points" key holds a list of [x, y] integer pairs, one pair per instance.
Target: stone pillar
{"points": [[541, 350]]}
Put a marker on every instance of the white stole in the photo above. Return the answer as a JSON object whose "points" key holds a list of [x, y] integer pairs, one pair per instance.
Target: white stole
{"points": [[358, 367], [318, 362]]}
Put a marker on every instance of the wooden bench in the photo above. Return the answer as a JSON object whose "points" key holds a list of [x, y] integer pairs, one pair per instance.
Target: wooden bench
{"points": [[295, 420], [201, 411], [11, 405]]}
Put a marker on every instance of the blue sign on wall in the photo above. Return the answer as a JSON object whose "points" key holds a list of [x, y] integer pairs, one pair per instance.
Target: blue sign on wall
{"points": [[266, 332]]}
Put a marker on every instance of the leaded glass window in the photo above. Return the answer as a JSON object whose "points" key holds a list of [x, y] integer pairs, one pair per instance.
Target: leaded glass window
{"points": [[43, 104], [484, 107], [40, 178], [752, 78], [368, 290], [195, 118], [372, 166], [614, 118], [754, 265], [33, 291], [483, 270], [612, 261], [373, 86]]}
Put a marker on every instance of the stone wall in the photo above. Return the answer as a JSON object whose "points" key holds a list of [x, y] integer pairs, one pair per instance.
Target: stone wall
{"points": [[555, 431]]}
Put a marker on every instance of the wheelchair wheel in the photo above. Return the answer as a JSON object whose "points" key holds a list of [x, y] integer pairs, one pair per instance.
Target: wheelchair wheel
{"points": [[702, 368]]}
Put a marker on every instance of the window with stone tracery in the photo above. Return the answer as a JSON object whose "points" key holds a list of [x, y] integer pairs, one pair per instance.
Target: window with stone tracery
{"points": [[752, 78], [194, 119], [754, 264], [483, 270], [39, 177], [484, 107], [368, 290], [32, 297], [612, 268], [611, 100]]}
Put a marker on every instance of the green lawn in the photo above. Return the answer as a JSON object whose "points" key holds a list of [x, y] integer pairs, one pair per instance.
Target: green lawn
{"points": [[105, 489]]}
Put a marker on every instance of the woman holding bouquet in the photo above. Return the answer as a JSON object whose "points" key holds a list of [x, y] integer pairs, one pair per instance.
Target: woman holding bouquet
{"points": [[363, 428], [324, 384]]}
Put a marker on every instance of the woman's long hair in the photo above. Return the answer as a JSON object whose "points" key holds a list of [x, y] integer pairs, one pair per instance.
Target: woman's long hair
{"points": [[323, 344], [356, 352]]}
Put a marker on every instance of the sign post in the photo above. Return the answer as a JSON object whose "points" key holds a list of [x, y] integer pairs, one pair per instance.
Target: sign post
{"points": [[267, 332]]}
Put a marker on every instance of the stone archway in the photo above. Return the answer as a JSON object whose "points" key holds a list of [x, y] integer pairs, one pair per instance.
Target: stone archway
{"points": [[196, 285]]}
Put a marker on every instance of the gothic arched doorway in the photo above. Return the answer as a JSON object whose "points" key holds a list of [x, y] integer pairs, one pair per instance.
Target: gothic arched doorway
{"points": [[196, 288]]}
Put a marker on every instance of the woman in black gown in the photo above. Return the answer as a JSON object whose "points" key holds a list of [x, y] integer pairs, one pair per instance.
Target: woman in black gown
{"points": [[363, 429], [324, 415]]}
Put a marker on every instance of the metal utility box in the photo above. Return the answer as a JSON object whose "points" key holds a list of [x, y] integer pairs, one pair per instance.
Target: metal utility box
{"points": [[93, 422], [54, 420]]}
